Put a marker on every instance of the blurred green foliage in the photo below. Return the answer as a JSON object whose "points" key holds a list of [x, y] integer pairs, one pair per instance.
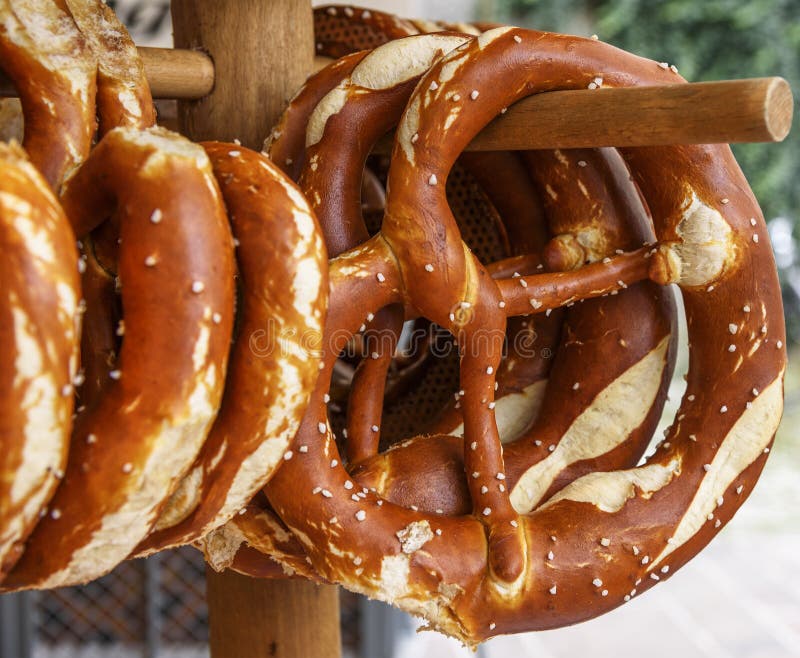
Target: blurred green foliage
{"points": [[706, 40]]}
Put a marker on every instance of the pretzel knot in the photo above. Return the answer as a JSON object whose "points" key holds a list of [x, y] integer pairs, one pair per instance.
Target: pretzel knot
{"points": [[609, 534]]}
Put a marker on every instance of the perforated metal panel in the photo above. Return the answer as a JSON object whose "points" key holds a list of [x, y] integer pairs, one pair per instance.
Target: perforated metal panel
{"points": [[335, 35], [410, 412]]}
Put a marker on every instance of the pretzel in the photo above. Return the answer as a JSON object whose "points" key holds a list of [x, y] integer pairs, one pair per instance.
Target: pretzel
{"points": [[39, 332], [50, 64], [274, 364], [545, 452], [129, 451], [427, 472], [371, 112], [123, 93], [627, 529]]}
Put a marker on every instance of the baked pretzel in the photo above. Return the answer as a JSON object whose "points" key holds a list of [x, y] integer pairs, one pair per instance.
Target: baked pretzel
{"points": [[543, 452], [427, 472], [474, 578], [131, 448], [356, 107], [274, 365], [39, 333], [123, 93], [51, 66]]}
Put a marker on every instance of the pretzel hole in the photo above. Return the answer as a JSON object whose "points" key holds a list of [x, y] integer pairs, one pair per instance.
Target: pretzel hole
{"points": [[422, 383]]}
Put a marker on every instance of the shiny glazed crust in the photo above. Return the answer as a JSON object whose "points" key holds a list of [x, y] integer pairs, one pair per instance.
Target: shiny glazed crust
{"points": [[274, 361], [476, 577], [129, 451], [39, 332]]}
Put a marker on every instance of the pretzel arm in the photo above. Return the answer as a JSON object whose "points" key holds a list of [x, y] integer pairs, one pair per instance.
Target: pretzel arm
{"points": [[273, 366], [537, 293], [365, 406], [39, 328], [286, 143]]}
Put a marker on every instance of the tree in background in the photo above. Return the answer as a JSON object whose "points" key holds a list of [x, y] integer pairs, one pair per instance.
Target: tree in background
{"points": [[706, 40]]}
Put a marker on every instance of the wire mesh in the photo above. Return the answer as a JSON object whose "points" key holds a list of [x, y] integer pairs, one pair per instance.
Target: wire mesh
{"points": [[153, 608]]}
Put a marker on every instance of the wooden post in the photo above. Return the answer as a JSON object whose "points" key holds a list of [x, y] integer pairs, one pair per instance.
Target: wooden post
{"points": [[262, 52]]}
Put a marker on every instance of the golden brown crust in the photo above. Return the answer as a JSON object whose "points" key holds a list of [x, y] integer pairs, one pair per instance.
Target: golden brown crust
{"points": [[285, 145], [627, 529], [123, 93], [274, 361], [51, 65], [39, 328], [129, 451]]}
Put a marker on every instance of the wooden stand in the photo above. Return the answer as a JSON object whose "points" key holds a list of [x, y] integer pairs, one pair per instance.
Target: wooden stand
{"points": [[262, 52], [251, 618]]}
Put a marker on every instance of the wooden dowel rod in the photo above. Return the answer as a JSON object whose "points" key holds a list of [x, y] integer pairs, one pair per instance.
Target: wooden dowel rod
{"points": [[728, 111], [171, 72], [751, 110], [178, 73]]}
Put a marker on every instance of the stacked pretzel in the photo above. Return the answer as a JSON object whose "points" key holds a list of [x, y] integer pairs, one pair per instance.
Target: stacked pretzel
{"points": [[523, 501]]}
